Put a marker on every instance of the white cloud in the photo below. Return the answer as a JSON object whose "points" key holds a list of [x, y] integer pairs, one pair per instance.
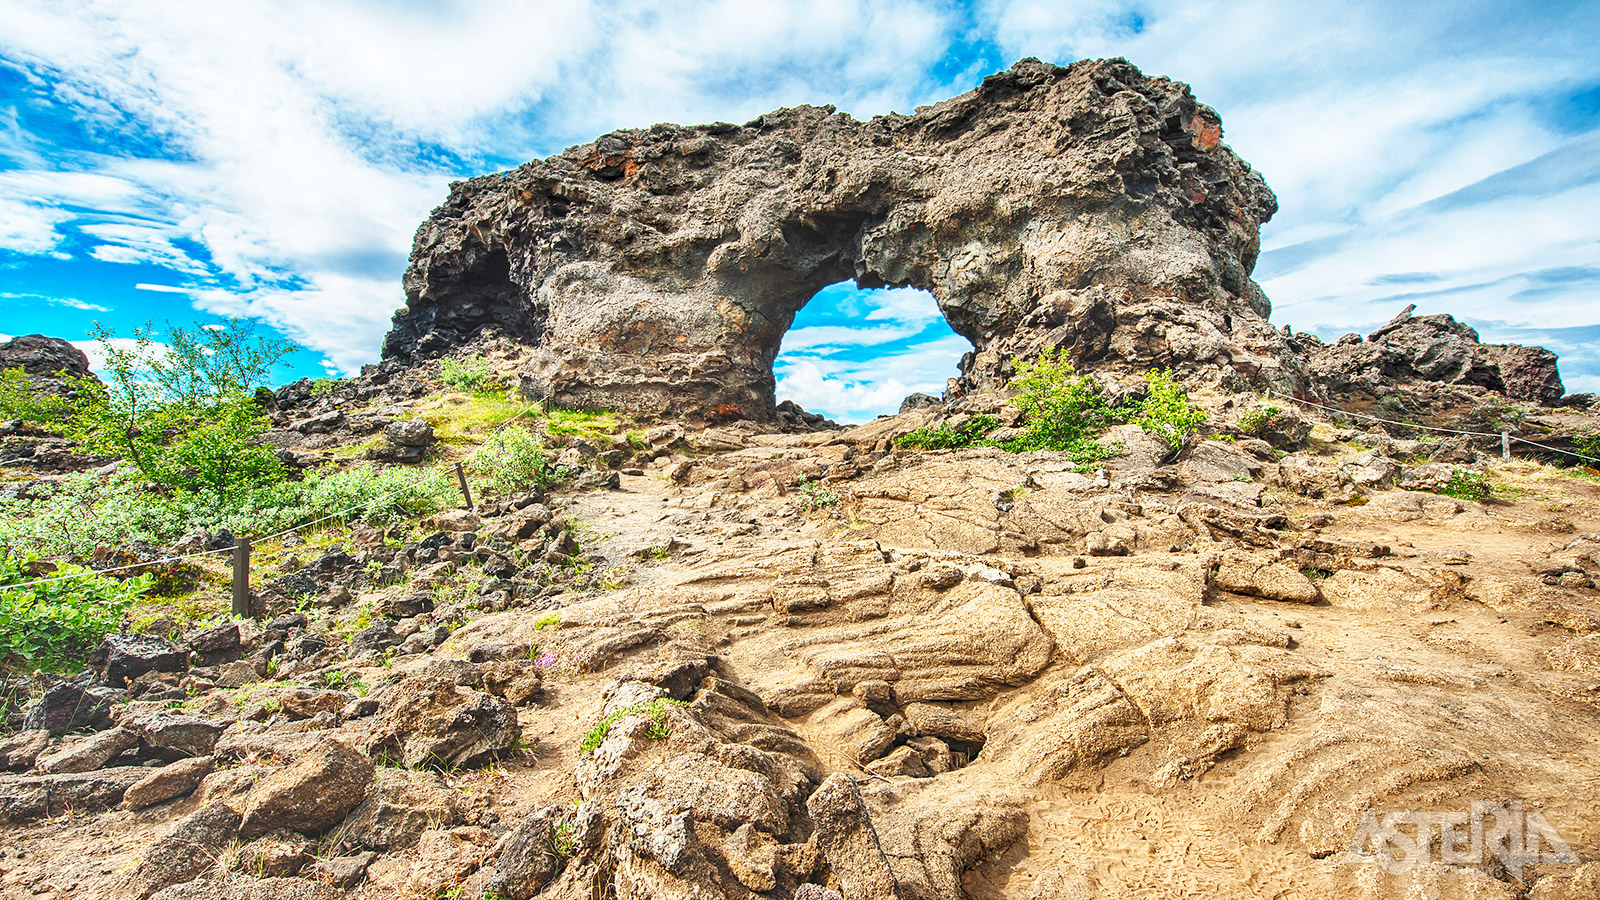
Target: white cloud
{"points": [[855, 391]]}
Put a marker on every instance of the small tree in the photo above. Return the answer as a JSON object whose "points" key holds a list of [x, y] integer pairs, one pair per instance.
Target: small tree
{"points": [[182, 413], [1167, 412]]}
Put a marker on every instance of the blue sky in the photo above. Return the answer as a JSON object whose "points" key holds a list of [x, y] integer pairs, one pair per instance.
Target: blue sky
{"points": [[163, 161]]}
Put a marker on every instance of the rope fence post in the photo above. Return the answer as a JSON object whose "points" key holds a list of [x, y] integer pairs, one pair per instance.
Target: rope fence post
{"points": [[1505, 445], [466, 492], [241, 577]]}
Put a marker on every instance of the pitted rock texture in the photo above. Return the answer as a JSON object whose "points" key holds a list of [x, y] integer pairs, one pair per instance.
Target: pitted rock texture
{"points": [[1090, 207]]}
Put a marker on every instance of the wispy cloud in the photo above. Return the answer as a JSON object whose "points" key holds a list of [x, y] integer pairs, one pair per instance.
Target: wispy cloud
{"points": [[69, 302]]}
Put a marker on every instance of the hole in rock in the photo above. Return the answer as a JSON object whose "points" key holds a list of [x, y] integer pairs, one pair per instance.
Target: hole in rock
{"points": [[925, 756], [855, 353]]}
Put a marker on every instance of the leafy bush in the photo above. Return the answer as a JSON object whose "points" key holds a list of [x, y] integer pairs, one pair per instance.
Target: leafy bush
{"points": [[1067, 412], [1588, 445], [19, 400], [969, 433], [471, 374], [1465, 484], [1061, 409], [511, 460], [1255, 419], [1167, 411], [56, 625], [87, 511]]}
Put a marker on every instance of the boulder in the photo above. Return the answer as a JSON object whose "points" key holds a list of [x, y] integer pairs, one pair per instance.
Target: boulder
{"points": [[409, 433], [190, 735], [24, 798], [67, 706], [188, 850], [1255, 577], [1434, 348], [20, 750], [845, 835], [310, 794], [176, 780], [527, 859], [430, 721], [90, 754]]}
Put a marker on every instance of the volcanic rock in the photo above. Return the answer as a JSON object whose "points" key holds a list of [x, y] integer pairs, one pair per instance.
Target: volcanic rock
{"points": [[656, 270]]}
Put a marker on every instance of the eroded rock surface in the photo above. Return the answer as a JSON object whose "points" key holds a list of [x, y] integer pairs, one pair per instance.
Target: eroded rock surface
{"points": [[1088, 206]]}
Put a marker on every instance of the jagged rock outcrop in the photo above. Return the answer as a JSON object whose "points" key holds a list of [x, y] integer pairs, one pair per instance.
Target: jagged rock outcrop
{"points": [[1088, 206], [1433, 348], [43, 357]]}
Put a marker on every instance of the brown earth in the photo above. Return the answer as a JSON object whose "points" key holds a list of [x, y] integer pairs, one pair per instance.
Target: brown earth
{"points": [[1127, 726]]}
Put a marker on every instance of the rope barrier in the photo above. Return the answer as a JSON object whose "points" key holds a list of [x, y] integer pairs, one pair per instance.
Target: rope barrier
{"points": [[271, 537], [1488, 434]]}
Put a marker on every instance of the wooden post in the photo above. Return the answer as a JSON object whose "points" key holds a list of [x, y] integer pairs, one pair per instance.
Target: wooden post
{"points": [[1505, 445], [241, 577], [461, 476]]}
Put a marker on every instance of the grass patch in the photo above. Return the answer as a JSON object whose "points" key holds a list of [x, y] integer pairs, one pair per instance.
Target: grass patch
{"points": [[816, 495], [660, 728], [970, 433], [597, 424]]}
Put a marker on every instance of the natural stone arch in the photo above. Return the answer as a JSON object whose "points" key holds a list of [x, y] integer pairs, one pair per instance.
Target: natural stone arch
{"points": [[656, 271]]}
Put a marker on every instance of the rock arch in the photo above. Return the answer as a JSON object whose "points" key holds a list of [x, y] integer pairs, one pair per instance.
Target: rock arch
{"points": [[656, 270]]}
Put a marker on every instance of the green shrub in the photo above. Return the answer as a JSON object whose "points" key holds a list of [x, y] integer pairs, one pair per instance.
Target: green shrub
{"points": [[511, 460], [1588, 444], [56, 625], [968, 434], [1167, 411], [1465, 484], [1061, 409], [87, 511], [323, 387], [1255, 419], [471, 374], [19, 400]]}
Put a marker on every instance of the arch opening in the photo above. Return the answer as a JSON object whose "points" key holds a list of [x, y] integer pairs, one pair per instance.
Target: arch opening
{"points": [[855, 353]]}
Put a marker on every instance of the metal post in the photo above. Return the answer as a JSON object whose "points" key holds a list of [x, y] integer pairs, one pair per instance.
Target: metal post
{"points": [[461, 476], [1505, 445], [241, 577]]}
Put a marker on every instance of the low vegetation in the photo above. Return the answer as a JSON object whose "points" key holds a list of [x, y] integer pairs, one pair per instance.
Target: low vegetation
{"points": [[655, 710], [1465, 484], [55, 625], [1067, 412]]}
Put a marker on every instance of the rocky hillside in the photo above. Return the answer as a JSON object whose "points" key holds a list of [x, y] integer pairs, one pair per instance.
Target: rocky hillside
{"points": [[757, 657]]}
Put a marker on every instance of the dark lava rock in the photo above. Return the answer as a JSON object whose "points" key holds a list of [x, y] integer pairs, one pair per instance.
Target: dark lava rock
{"points": [[67, 706], [124, 657]]}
